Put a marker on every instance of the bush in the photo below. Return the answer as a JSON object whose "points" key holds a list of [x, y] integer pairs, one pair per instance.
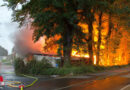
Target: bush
{"points": [[19, 65], [100, 68], [32, 67], [36, 67], [43, 67]]}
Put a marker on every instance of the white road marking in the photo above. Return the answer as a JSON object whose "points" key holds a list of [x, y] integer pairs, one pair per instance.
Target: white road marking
{"points": [[127, 86], [126, 76]]}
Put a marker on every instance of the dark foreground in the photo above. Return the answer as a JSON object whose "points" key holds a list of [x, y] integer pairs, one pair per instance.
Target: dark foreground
{"points": [[109, 80]]}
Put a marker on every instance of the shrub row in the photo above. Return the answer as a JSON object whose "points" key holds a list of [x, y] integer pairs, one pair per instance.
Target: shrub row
{"points": [[32, 67], [43, 67]]}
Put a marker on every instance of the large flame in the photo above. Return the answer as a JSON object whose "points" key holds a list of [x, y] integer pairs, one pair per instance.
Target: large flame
{"points": [[76, 54], [107, 57]]}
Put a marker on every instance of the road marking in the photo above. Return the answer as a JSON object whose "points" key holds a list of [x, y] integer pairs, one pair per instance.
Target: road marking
{"points": [[126, 76], [127, 86]]}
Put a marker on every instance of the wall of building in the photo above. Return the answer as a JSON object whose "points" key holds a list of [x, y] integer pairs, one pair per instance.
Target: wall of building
{"points": [[51, 59], [3, 57]]}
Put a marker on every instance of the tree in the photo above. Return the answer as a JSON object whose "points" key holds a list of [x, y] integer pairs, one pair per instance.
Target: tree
{"points": [[122, 13], [53, 17], [3, 52], [118, 10], [61, 17], [99, 36], [101, 7], [87, 16]]}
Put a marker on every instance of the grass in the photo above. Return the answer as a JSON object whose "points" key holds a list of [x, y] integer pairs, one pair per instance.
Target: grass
{"points": [[73, 70], [68, 71], [7, 62]]}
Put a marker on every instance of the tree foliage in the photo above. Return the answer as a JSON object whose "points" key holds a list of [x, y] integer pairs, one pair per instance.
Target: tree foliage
{"points": [[3, 52], [61, 17]]}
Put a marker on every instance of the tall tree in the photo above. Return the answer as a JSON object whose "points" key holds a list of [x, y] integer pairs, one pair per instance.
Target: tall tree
{"points": [[101, 7], [99, 36], [87, 13], [55, 17]]}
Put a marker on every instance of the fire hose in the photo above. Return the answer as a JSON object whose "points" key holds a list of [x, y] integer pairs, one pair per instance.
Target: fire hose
{"points": [[14, 84]]}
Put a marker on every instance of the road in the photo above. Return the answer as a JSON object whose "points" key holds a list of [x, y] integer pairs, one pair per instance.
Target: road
{"points": [[109, 80]]}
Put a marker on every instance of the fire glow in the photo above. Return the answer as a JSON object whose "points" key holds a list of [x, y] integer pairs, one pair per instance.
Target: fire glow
{"points": [[107, 58], [74, 53], [121, 57]]}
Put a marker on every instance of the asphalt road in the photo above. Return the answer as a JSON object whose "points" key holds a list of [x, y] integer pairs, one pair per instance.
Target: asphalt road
{"points": [[109, 80]]}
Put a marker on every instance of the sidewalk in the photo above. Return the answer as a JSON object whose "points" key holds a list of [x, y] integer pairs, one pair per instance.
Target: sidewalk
{"points": [[106, 73]]}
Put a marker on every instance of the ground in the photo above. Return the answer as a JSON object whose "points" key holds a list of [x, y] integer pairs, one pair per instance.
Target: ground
{"points": [[118, 79]]}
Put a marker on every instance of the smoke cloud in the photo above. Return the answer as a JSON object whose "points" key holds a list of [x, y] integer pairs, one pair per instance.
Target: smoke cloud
{"points": [[24, 43]]}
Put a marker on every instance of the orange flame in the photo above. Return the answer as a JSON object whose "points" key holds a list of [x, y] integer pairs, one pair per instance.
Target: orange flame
{"points": [[107, 58]]}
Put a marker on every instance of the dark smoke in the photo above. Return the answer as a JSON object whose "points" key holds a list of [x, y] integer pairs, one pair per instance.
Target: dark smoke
{"points": [[24, 44]]}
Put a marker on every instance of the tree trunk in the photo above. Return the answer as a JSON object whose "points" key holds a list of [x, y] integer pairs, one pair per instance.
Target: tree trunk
{"points": [[109, 33], [67, 49], [110, 26], [99, 37], [90, 41], [67, 43]]}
